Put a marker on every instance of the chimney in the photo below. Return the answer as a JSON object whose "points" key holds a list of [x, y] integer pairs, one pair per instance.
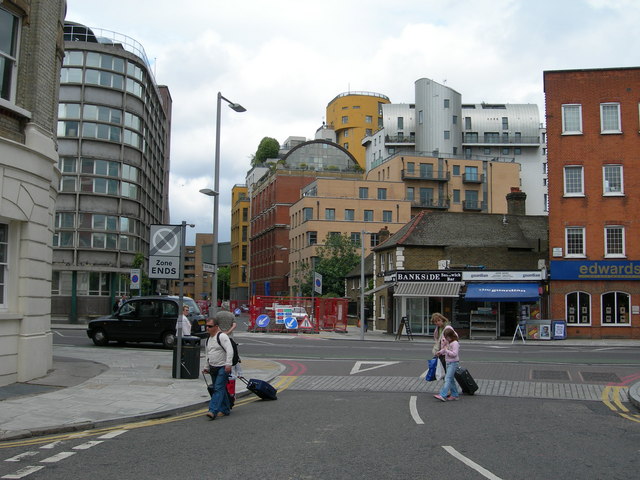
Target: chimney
{"points": [[516, 202], [383, 234]]}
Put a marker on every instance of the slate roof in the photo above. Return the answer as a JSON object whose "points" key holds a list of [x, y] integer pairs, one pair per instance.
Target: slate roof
{"points": [[368, 268], [447, 229]]}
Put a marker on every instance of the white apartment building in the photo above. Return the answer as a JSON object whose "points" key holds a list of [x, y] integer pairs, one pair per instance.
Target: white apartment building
{"points": [[439, 124]]}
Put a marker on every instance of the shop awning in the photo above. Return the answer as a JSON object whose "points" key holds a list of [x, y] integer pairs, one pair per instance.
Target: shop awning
{"points": [[377, 289], [427, 289], [502, 292]]}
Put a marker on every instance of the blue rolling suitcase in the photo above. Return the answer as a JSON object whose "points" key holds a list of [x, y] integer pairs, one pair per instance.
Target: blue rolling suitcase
{"points": [[466, 381], [261, 388]]}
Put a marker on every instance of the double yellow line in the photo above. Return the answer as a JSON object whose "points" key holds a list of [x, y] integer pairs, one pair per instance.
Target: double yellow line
{"points": [[280, 383], [611, 398]]}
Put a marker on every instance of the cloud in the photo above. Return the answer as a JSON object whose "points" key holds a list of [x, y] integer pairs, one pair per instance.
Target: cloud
{"points": [[284, 60]]}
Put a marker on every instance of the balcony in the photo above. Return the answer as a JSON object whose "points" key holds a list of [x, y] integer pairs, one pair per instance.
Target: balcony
{"points": [[391, 140], [472, 178], [471, 138], [437, 204], [430, 176], [473, 206]]}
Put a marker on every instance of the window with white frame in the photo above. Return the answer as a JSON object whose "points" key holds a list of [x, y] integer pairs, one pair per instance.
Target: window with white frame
{"points": [[9, 28], [614, 241], [382, 307], [610, 118], [612, 180], [571, 119], [387, 216], [615, 308], [574, 181], [574, 239], [578, 308]]}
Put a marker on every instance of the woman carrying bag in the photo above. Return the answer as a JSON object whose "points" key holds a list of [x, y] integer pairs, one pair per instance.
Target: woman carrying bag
{"points": [[442, 323]]}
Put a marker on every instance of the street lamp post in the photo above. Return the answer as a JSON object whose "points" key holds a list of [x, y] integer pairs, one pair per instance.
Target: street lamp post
{"points": [[362, 312], [215, 194]]}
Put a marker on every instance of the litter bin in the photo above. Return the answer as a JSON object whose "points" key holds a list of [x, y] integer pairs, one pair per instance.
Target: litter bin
{"points": [[190, 358]]}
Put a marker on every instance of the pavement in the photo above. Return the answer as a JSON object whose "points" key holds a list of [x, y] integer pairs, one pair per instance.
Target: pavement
{"points": [[92, 387]]}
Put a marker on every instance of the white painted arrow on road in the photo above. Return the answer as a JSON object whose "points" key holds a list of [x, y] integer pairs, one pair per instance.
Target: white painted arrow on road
{"points": [[358, 367]]}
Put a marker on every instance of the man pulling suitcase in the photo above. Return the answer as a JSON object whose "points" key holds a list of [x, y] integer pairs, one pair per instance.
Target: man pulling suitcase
{"points": [[219, 358]]}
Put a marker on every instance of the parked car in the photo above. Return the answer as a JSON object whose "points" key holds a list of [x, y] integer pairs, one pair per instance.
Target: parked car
{"points": [[145, 319]]}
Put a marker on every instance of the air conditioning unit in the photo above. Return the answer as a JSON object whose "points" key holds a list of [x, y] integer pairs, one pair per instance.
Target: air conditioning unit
{"points": [[443, 264]]}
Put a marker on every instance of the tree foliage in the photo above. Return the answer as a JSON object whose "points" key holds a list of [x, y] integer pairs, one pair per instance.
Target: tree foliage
{"points": [[224, 285], [335, 259], [268, 148]]}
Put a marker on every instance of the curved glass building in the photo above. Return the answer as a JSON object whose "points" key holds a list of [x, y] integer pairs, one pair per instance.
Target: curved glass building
{"points": [[113, 133]]}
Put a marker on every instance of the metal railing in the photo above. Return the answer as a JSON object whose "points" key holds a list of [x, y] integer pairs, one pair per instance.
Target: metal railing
{"points": [[433, 176], [442, 203], [472, 178], [493, 140]]}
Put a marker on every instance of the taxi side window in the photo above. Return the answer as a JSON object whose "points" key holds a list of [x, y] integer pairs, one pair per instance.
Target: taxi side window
{"points": [[128, 309], [146, 309], [169, 309]]}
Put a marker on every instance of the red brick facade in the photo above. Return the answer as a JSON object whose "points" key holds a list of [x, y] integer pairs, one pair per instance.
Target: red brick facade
{"points": [[593, 128], [269, 253]]}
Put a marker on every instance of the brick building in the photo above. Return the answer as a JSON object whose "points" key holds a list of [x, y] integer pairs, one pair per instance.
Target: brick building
{"points": [[483, 271], [273, 194], [31, 53], [593, 144]]}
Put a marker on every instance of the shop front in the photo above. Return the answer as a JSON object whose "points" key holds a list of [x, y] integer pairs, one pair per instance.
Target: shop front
{"points": [[502, 300], [419, 294]]}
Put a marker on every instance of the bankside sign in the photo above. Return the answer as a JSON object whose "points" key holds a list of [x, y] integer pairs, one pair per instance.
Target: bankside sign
{"points": [[164, 251]]}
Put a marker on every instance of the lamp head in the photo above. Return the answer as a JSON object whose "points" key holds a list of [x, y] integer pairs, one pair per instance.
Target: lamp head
{"points": [[237, 107]]}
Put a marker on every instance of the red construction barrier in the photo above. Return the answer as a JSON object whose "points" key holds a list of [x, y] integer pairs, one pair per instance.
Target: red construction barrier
{"points": [[312, 314]]}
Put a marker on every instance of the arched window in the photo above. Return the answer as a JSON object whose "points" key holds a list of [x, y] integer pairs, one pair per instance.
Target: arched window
{"points": [[615, 308], [578, 308]]}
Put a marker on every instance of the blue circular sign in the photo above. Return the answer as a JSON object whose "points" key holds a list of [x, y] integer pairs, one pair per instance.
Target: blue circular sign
{"points": [[291, 323], [134, 278], [262, 321]]}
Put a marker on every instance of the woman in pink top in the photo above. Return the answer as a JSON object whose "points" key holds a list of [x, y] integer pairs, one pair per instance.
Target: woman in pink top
{"points": [[450, 352]]}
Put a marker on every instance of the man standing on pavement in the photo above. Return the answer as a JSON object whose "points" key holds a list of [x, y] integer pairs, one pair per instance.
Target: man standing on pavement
{"points": [[183, 321], [219, 358]]}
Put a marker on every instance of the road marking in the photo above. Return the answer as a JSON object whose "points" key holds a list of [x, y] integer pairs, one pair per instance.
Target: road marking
{"points": [[51, 445], [414, 410], [24, 472], [57, 457], [87, 445], [19, 457], [357, 368], [481, 470], [113, 434], [611, 398]]}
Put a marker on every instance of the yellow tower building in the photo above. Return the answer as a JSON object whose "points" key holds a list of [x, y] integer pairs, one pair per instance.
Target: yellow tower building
{"points": [[239, 244], [354, 115]]}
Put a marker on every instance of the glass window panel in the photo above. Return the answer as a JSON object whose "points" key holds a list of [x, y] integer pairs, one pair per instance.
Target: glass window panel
{"points": [[573, 180], [571, 119]]}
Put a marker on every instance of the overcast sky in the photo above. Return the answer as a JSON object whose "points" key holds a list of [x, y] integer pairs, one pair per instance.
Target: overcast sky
{"points": [[284, 60]]}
